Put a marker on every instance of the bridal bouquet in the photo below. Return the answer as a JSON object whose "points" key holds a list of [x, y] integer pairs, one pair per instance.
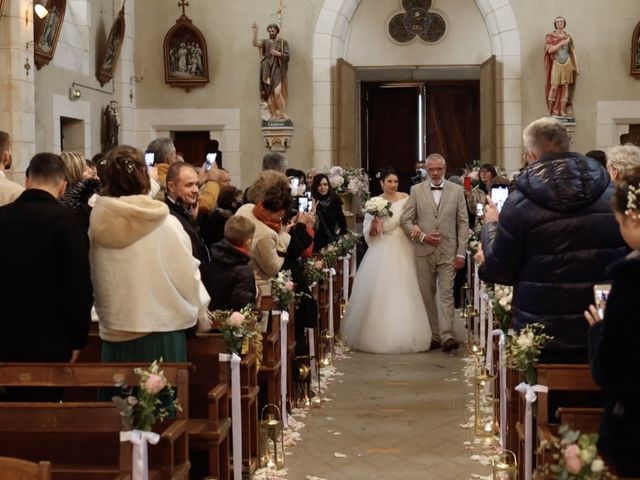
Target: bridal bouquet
{"points": [[237, 328], [154, 399], [576, 457], [378, 207], [523, 350], [283, 290]]}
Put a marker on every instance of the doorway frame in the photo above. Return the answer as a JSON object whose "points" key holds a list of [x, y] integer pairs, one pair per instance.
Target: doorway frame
{"points": [[332, 28]]}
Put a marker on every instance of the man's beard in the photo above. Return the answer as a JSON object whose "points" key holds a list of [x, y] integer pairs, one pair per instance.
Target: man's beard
{"points": [[273, 36]]}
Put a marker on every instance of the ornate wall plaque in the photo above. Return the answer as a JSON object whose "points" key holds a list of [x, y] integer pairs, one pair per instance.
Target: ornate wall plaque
{"points": [[185, 54], [112, 51], [416, 21], [47, 30], [635, 52]]}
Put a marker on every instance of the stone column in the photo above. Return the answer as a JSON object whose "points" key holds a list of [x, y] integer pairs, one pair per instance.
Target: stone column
{"points": [[17, 71]]}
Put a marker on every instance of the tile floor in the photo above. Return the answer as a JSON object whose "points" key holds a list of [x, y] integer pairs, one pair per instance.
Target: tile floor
{"points": [[394, 417]]}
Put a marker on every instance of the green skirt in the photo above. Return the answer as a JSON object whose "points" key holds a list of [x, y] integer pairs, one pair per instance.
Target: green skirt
{"points": [[170, 346]]}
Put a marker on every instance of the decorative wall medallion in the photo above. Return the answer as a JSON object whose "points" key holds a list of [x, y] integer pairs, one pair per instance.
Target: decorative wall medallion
{"points": [[416, 20]]}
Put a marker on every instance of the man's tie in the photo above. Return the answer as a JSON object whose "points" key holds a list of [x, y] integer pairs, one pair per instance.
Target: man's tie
{"points": [[436, 188]]}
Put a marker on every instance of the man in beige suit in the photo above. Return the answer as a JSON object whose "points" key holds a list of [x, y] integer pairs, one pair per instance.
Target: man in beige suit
{"points": [[435, 219], [9, 190]]}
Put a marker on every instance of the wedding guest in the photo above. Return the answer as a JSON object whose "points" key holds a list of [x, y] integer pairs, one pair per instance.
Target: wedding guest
{"points": [[598, 155], [212, 224], [82, 184], [9, 190], [553, 239], [612, 341], [141, 253], [622, 159], [274, 161], [330, 220], [229, 277], [45, 280]]}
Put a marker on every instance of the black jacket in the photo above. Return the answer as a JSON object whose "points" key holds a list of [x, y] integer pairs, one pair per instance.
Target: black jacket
{"points": [[555, 237], [212, 225], [77, 198], [198, 247], [45, 280], [613, 360], [229, 278], [330, 223]]}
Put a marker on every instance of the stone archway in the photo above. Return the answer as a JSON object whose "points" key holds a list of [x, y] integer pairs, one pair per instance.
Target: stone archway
{"points": [[329, 42]]}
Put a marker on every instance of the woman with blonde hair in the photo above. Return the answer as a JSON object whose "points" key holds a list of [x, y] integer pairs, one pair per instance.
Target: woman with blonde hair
{"points": [[82, 184]]}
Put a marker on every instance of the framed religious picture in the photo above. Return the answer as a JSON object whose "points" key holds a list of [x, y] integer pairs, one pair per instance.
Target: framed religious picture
{"points": [[185, 56], [46, 32], [635, 52], [1, 4], [112, 50]]}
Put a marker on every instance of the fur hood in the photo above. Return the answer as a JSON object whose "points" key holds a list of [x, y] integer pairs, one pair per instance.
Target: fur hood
{"points": [[117, 222]]}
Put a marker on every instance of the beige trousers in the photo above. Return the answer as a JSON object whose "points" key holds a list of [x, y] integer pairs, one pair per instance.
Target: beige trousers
{"points": [[437, 272]]}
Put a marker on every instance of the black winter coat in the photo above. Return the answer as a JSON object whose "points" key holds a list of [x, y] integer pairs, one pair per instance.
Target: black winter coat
{"points": [[229, 278], [554, 239], [198, 247], [330, 223], [613, 358]]}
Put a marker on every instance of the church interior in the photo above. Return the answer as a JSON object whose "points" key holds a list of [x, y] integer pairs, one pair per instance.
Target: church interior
{"points": [[344, 90]]}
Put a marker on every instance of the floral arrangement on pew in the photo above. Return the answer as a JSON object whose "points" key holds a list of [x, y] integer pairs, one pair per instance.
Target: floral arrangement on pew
{"points": [[501, 298], [576, 457], [523, 350], [313, 270], [283, 290], [474, 241], [329, 255], [237, 328], [354, 181], [154, 399], [346, 243]]}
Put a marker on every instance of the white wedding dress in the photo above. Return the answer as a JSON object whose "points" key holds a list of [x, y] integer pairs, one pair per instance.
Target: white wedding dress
{"points": [[386, 313]]}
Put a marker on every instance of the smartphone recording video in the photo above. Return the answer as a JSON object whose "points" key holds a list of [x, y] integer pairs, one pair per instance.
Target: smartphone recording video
{"points": [[210, 161], [499, 194], [149, 158], [601, 294], [304, 204]]}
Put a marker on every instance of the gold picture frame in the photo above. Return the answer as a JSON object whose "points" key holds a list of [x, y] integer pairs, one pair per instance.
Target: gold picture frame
{"points": [[46, 32], [635, 52], [111, 53], [185, 56]]}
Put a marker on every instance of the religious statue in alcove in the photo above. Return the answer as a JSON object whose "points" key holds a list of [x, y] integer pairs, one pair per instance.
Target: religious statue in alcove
{"points": [[110, 126], [274, 62], [561, 67], [185, 54]]}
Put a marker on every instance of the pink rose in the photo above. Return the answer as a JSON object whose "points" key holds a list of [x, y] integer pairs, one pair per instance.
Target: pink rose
{"points": [[236, 319], [154, 383], [288, 285], [572, 459], [318, 265]]}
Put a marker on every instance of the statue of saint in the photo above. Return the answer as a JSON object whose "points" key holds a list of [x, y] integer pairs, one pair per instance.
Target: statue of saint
{"points": [[561, 67], [111, 126], [274, 59]]}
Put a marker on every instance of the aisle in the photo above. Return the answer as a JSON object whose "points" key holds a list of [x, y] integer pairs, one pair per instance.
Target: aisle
{"points": [[394, 417]]}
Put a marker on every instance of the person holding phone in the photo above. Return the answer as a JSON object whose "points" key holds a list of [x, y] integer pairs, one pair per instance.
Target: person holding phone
{"points": [[330, 220], [477, 194], [553, 239], [613, 340]]}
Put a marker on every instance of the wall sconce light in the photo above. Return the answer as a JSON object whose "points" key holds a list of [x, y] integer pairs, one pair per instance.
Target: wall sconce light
{"points": [[74, 94], [40, 10]]}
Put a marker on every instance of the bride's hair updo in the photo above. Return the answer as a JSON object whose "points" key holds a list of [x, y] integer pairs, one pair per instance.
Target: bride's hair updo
{"points": [[384, 173]]}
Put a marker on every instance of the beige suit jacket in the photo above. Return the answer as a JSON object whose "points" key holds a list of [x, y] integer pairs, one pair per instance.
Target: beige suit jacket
{"points": [[9, 190], [450, 218]]}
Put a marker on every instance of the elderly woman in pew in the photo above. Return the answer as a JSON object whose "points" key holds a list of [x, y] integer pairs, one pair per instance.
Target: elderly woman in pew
{"points": [[613, 341], [147, 285]]}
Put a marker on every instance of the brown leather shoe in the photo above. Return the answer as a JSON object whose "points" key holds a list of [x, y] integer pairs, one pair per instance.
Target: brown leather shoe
{"points": [[435, 345], [450, 344]]}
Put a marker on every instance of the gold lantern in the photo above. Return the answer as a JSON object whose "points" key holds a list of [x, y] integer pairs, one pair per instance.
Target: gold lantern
{"points": [[486, 418], [302, 382], [505, 466], [326, 348], [271, 445]]}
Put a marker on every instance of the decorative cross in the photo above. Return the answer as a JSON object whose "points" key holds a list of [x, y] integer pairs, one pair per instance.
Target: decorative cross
{"points": [[182, 4]]}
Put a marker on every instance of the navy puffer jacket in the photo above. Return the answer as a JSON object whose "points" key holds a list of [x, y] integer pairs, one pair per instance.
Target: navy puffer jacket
{"points": [[555, 237]]}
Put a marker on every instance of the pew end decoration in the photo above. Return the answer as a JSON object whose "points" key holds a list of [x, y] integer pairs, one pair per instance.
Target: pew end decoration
{"points": [[283, 290], [313, 270], [153, 400], [501, 298], [574, 457], [351, 181], [523, 350], [238, 328]]}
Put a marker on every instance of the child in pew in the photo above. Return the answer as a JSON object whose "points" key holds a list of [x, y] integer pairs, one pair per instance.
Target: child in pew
{"points": [[229, 277], [613, 340]]}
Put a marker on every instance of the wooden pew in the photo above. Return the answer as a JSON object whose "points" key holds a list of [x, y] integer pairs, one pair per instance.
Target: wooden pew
{"points": [[60, 432], [16, 469], [269, 372]]}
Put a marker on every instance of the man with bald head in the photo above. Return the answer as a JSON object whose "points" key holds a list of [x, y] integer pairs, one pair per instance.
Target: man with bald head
{"points": [[435, 219]]}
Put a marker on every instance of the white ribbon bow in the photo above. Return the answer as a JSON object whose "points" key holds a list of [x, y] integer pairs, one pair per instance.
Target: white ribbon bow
{"points": [[140, 458], [332, 273], [530, 397], [345, 276], [284, 343], [236, 412]]}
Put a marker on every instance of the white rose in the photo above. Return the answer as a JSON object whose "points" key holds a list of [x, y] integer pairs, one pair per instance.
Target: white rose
{"points": [[503, 302], [336, 171], [336, 181], [597, 465], [524, 341], [586, 455], [507, 308]]}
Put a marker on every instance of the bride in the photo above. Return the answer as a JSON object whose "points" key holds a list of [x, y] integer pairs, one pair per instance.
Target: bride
{"points": [[386, 313]]}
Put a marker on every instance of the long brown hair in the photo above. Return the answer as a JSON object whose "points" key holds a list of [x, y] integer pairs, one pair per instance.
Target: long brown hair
{"points": [[125, 173]]}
